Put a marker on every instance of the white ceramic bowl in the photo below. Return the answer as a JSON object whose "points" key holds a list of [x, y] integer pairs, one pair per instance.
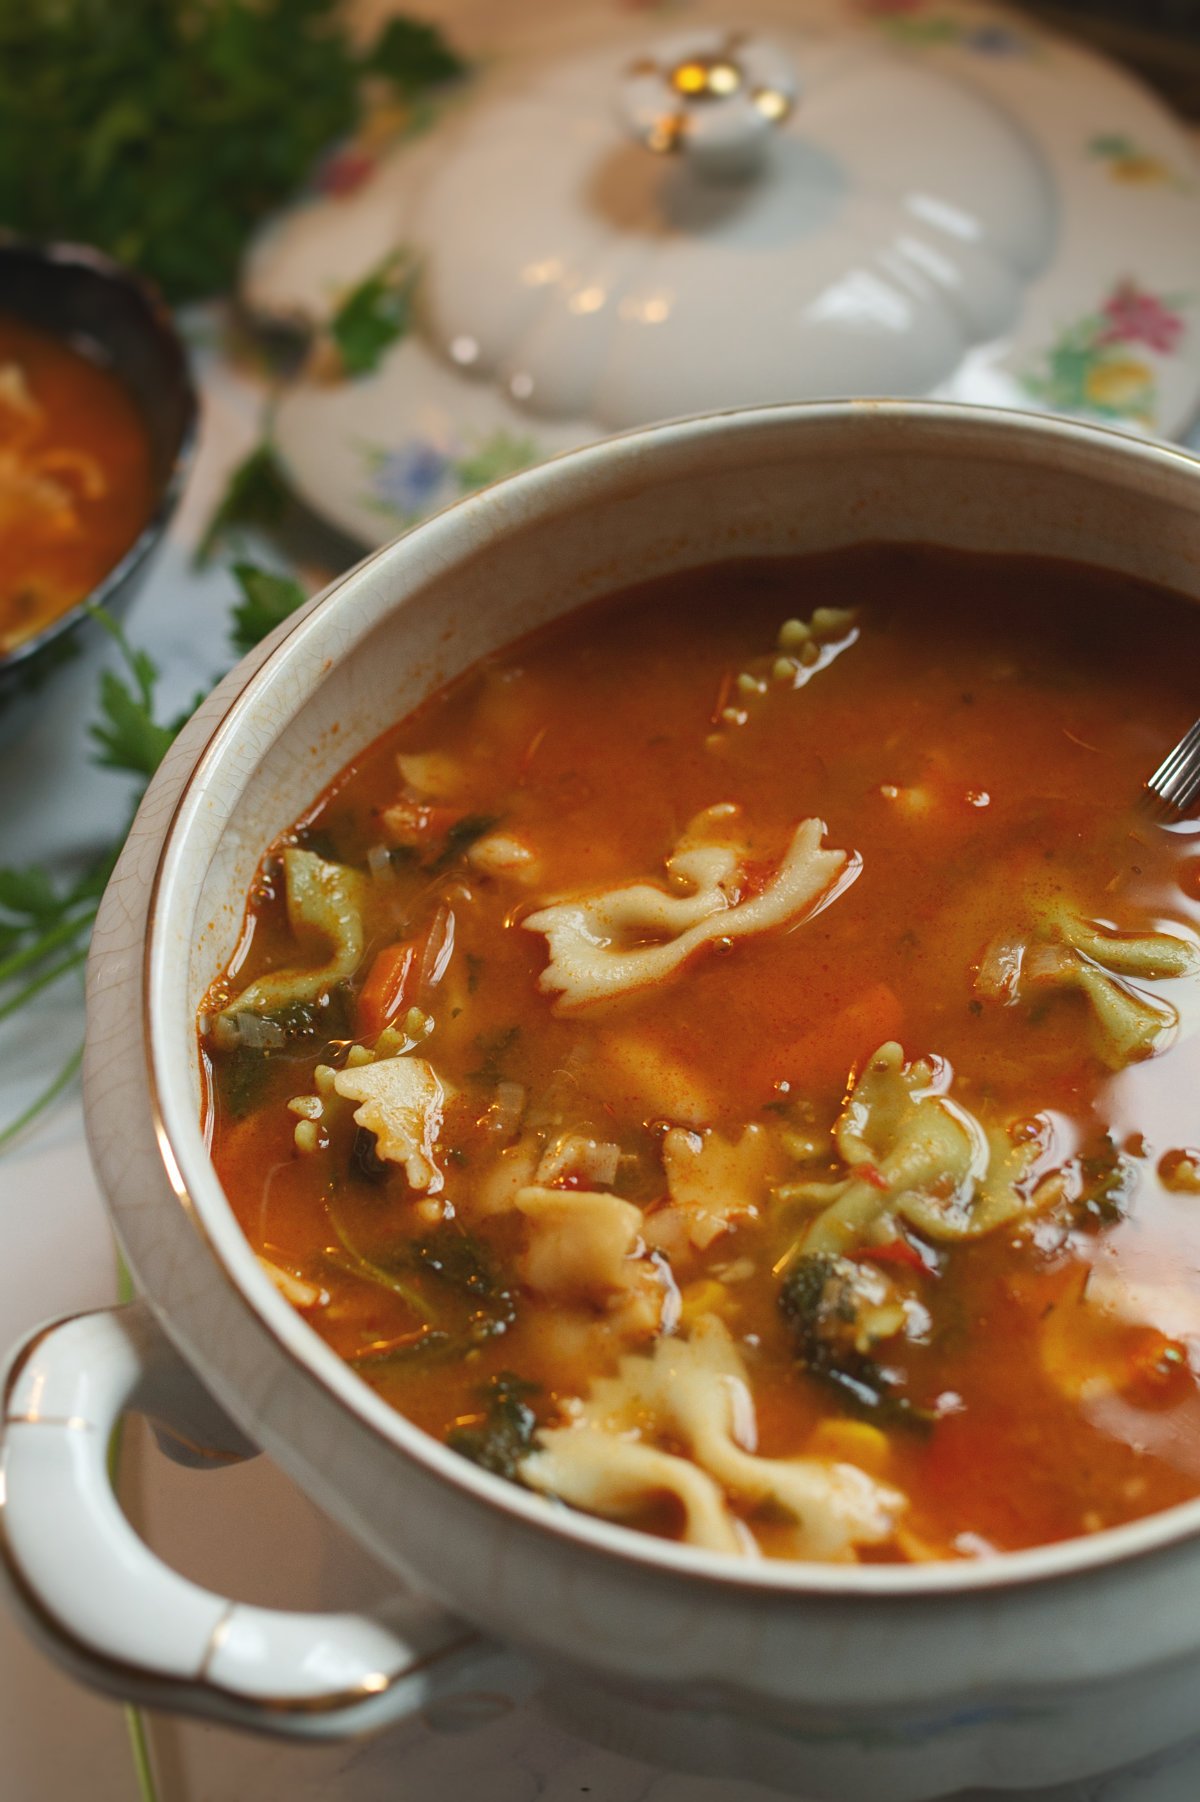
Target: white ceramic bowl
{"points": [[864, 1684]]}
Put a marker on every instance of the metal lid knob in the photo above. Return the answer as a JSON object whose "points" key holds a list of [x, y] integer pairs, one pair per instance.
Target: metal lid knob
{"points": [[715, 97]]}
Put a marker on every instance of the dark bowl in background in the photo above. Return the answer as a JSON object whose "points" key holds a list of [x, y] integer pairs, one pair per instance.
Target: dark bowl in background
{"points": [[82, 296]]}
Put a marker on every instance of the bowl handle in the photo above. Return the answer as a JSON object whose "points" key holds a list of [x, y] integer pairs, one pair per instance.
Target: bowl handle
{"points": [[100, 1601]]}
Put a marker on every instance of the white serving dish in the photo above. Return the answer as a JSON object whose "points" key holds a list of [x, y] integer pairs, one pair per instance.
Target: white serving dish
{"points": [[856, 1684], [947, 201]]}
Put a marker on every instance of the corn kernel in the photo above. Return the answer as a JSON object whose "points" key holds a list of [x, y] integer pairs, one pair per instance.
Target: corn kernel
{"points": [[700, 1298], [851, 1442], [828, 622], [417, 1024]]}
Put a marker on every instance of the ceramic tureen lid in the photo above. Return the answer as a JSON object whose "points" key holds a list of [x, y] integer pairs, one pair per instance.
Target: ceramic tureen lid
{"points": [[621, 223]]}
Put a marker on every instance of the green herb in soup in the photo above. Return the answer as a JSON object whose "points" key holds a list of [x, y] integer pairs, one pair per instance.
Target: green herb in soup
{"points": [[728, 1062]]}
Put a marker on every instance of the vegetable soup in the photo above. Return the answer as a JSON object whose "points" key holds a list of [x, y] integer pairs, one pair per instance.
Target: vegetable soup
{"points": [[76, 482], [729, 1063]]}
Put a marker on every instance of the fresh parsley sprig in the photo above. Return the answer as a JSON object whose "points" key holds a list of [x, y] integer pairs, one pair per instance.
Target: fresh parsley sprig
{"points": [[127, 733], [46, 920], [267, 600], [257, 494], [374, 314], [164, 130]]}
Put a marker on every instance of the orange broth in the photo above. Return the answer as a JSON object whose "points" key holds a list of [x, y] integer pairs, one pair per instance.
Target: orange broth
{"points": [[979, 740], [76, 483]]}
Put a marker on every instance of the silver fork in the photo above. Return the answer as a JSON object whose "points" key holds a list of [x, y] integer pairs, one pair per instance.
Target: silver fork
{"points": [[1176, 782]]}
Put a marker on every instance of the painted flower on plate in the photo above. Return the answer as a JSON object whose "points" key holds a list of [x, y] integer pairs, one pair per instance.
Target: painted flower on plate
{"points": [[1088, 367], [1134, 317], [406, 479], [1119, 385]]}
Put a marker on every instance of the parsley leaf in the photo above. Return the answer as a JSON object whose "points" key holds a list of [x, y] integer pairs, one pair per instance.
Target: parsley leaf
{"points": [[30, 894], [257, 494], [413, 56], [374, 315], [164, 130], [45, 923], [129, 736], [267, 600]]}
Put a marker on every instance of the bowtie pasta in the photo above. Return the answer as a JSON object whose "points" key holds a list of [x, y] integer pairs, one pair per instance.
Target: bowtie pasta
{"points": [[727, 1063]]}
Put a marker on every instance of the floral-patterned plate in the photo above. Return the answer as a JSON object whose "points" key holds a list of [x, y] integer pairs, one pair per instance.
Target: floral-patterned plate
{"points": [[957, 204]]}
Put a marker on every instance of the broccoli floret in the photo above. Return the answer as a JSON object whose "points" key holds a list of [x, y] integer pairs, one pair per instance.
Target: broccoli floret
{"points": [[505, 1435], [829, 1304], [1108, 1183], [820, 1300]]}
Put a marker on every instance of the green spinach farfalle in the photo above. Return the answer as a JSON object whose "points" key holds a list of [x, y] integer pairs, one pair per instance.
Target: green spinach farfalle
{"points": [[1062, 953], [912, 1154]]}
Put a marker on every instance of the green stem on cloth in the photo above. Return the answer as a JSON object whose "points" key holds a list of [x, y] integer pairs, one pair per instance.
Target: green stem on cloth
{"points": [[42, 982], [63, 934], [49, 1094]]}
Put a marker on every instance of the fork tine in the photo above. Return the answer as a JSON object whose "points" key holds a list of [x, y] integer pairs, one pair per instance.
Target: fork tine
{"points": [[1176, 781]]}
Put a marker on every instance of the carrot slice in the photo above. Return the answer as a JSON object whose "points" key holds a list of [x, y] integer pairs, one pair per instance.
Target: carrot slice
{"points": [[389, 984]]}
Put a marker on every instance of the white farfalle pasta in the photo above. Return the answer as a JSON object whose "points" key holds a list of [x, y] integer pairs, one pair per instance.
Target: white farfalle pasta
{"points": [[628, 938], [584, 1247], [401, 1101], [631, 1068], [620, 1477], [713, 1184], [693, 1393], [577, 1157], [431, 775]]}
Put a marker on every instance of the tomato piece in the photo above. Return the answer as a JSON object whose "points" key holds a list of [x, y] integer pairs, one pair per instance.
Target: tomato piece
{"points": [[417, 822], [895, 1251], [390, 983]]}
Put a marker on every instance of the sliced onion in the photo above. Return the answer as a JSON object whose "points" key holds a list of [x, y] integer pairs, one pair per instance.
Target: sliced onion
{"points": [[504, 1115], [379, 861], [254, 1031], [999, 975]]}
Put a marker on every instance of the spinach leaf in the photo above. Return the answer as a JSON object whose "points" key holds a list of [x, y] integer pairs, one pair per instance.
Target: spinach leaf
{"points": [[505, 1434]]}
